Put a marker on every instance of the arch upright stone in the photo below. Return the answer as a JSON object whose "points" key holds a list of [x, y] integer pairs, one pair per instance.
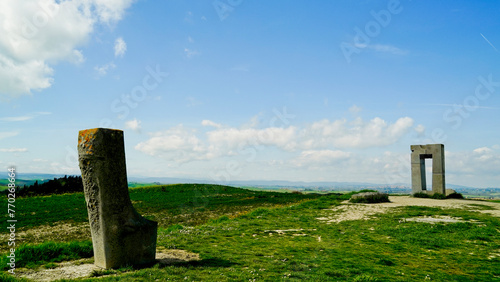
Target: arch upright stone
{"points": [[418, 155]]}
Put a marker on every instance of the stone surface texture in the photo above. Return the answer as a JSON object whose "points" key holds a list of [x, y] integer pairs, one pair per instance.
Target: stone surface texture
{"points": [[418, 155], [120, 236]]}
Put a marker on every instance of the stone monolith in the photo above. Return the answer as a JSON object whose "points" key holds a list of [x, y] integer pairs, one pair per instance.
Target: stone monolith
{"points": [[418, 155], [120, 236]]}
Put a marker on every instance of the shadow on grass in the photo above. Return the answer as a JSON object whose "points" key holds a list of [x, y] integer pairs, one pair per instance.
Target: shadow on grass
{"points": [[208, 262]]}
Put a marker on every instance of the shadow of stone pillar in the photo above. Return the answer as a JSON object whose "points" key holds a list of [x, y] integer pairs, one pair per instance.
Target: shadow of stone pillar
{"points": [[120, 236]]}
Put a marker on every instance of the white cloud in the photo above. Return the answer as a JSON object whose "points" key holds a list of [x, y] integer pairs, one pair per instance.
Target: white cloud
{"points": [[354, 109], [19, 118], [470, 167], [355, 134], [383, 48], [109, 11], [483, 151], [22, 77], [134, 124], [120, 47], [7, 134], [420, 129], [210, 123], [315, 141], [177, 144], [287, 152], [253, 122], [14, 150], [234, 138], [388, 49], [39, 33], [190, 53], [25, 117], [103, 70], [189, 17]]}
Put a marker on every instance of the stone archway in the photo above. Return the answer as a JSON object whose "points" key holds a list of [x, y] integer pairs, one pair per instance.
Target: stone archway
{"points": [[418, 155]]}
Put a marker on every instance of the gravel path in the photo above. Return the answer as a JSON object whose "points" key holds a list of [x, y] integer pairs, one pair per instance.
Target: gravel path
{"points": [[349, 211], [80, 268]]}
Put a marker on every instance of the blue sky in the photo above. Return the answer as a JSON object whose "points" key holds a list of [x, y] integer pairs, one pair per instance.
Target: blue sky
{"points": [[254, 90]]}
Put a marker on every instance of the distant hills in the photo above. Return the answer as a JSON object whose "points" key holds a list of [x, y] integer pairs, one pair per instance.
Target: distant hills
{"points": [[33, 176], [321, 185]]}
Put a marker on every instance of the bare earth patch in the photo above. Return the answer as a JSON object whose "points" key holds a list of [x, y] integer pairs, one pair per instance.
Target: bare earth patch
{"points": [[438, 218], [66, 270], [349, 211], [82, 268]]}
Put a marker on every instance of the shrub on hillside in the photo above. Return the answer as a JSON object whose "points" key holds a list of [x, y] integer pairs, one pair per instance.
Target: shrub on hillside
{"points": [[421, 195], [455, 195], [370, 197], [438, 196]]}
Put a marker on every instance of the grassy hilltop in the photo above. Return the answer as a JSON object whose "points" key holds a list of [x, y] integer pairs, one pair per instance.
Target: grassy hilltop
{"points": [[243, 235]]}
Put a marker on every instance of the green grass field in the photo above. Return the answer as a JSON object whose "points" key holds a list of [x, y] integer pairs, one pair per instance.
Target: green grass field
{"points": [[187, 204], [244, 235]]}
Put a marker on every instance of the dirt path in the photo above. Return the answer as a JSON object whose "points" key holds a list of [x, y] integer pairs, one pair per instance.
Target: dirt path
{"points": [[84, 268], [349, 211]]}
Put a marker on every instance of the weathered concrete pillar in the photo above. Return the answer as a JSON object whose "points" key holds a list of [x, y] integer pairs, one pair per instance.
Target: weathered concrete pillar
{"points": [[120, 236], [418, 156]]}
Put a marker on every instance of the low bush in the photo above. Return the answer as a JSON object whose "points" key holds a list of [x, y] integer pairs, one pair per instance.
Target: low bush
{"points": [[455, 195], [421, 195], [370, 197], [438, 196]]}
